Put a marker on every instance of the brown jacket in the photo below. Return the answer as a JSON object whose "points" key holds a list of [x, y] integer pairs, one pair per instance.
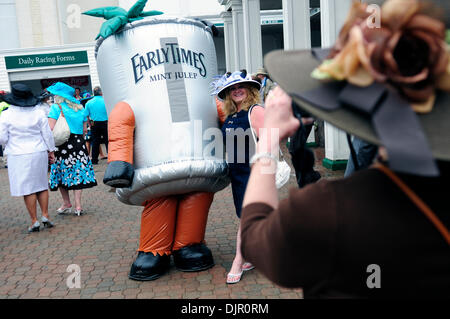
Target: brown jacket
{"points": [[324, 237]]}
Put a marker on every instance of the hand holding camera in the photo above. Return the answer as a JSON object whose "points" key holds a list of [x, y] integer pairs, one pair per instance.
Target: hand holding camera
{"points": [[278, 113]]}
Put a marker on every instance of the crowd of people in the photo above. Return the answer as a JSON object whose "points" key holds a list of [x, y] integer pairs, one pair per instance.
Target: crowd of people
{"points": [[26, 124], [390, 210], [70, 164]]}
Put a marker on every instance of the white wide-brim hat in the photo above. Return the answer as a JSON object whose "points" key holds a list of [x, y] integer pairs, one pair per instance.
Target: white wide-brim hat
{"points": [[227, 80]]}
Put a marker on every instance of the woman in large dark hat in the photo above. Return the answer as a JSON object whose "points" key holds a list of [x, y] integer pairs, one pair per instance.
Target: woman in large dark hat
{"points": [[29, 144], [382, 232]]}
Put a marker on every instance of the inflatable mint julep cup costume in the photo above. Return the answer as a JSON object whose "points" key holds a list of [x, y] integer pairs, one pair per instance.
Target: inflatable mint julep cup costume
{"points": [[155, 75]]}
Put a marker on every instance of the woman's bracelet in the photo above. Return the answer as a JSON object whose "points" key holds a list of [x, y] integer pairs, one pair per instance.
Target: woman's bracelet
{"points": [[258, 156]]}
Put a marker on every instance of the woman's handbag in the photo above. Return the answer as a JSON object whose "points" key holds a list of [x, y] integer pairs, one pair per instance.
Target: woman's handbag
{"points": [[283, 169], [61, 130]]}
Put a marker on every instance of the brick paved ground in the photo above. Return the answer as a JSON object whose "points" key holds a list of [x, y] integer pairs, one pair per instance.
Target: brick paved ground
{"points": [[103, 243]]}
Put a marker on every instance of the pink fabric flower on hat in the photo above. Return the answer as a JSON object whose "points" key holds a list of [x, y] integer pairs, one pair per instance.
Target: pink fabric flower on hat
{"points": [[408, 51]]}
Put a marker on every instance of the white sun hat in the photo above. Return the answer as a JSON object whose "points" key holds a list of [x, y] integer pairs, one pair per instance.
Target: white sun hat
{"points": [[222, 83]]}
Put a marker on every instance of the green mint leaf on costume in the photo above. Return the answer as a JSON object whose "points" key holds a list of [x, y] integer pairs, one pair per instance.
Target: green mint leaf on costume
{"points": [[106, 12], [117, 17], [111, 26], [137, 9]]}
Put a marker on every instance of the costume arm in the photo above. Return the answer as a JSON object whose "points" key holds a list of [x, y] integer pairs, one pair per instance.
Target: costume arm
{"points": [[121, 124], [220, 112]]}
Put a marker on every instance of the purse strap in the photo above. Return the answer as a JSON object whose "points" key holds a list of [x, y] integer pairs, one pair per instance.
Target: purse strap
{"points": [[423, 207], [253, 133], [250, 122], [62, 113]]}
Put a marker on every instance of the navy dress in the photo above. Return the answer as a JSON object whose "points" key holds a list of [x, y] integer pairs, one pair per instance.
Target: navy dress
{"points": [[240, 147]]}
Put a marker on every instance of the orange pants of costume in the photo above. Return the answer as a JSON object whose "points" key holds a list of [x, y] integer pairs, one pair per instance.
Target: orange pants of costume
{"points": [[173, 222], [168, 223]]}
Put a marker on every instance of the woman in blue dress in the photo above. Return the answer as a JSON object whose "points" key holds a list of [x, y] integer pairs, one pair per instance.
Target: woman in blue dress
{"points": [[73, 168], [240, 94]]}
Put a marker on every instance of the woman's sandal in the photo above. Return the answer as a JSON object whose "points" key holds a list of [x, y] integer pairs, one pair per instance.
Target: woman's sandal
{"points": [[63, 210], [234, 278], [34, 228], [79, 212], [47, 223], [247, 266]]}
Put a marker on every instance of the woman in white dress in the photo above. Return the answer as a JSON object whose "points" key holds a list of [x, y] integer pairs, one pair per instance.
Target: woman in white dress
{"points": [[29, 143]]}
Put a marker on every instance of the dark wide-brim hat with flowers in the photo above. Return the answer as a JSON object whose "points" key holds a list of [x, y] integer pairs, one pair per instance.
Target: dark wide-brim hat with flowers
{"points": [[20, 95], [387, 85]]}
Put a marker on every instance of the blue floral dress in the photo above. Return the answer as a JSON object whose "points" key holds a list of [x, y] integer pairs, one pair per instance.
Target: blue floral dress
{"points": [[73, 168]]}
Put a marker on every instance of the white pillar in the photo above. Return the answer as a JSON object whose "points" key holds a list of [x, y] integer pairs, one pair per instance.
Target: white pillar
{"points": [[296, 24], [4, 78], [95, 81], [8, 21], [238, 35], [252, 35], [297, 32], [332, 17], [24, 24], [50, 24], [229, 40]]}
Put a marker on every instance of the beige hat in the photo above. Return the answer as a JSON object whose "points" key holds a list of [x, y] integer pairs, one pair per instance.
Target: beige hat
{"points": [[262, 71]]}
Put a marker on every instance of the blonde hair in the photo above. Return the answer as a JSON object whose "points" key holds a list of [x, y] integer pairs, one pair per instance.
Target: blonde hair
{"points": [[74, 106], [253, 97]]}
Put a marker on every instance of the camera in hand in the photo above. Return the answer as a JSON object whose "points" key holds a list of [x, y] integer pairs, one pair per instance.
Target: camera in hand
{"points": [[302, 157]]}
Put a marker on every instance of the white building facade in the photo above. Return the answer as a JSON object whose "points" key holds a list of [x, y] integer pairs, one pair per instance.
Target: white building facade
{"points": [[45, 41]]}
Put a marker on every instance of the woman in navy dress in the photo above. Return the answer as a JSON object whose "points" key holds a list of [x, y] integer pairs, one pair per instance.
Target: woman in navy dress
{"points": [[239, 94]]}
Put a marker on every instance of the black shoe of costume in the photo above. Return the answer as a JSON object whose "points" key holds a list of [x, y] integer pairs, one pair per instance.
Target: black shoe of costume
{"points": [[148, 267], [196, 257]]}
